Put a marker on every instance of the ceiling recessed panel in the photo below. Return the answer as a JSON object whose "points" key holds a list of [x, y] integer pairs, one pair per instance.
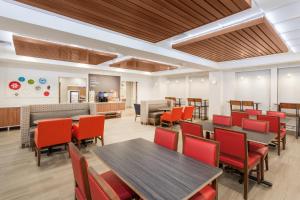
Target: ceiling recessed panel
{"points": [[251, 39], [41, 49], [142, 65], [150, 20]]}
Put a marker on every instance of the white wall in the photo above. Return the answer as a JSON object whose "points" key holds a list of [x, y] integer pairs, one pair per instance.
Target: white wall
{"points": [[254, 86], [288, 85], [145, 83]]}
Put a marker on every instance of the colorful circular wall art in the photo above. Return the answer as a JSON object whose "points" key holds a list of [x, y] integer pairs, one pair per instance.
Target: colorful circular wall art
{"points": [[14, 85], [42, 80], [30, 81], [48, 87], [21, 79], [46, 94]]}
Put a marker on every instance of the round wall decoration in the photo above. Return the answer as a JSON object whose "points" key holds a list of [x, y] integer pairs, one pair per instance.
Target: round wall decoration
{"points": [[38, 88], [46, 93], [30, 81], [48, 87], [14, 85], [21, 79], [43, 81]]}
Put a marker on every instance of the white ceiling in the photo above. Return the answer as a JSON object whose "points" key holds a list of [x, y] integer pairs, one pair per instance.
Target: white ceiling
{"points": [[32, 22]]}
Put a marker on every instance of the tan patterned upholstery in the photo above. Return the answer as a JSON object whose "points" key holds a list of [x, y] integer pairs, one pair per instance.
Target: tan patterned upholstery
{"points": [[28, 111]]}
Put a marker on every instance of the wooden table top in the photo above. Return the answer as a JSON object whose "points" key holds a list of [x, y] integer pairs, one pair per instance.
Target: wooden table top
{"points": [[263, 138], [155, 172]]}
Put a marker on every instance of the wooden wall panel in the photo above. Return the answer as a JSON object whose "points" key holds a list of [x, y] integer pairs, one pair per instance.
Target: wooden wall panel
{"points": [[41, 49], [9, 116], [142, 65], [151, 20], [251, 39]]}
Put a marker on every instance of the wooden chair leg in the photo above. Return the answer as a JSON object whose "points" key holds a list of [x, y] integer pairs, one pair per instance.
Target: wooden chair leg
{"points": [[38, 157], [102, 141], [278, 147], [262, 168], [283, 142], [95, 140], [35, 151], [246, 184], [215, 186], [78, 143], [68, 150], [258, 171], [267, 162]]}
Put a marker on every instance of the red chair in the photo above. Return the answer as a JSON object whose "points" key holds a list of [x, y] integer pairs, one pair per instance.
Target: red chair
{"points": [[275, 127], [237, 118], [252, 112], [281, 115], [187, 113], [166, 138], [260, 149], [206, 151], [191, 129], [84, 190], [222, 120], [89, 127], [171, 117], [234, 153], [51, 133]]}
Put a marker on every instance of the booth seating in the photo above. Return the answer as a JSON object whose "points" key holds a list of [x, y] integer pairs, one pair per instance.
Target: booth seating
{"points": [[31, 113], [150, 110]]}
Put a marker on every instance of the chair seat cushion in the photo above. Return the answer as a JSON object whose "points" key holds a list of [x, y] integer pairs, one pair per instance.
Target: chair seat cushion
{"points": [[253, 158], [207, 193], [260, 149], [79, 195], [123, 191]]}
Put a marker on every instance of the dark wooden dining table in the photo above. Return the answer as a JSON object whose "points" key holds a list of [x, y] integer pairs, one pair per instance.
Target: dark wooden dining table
{"points": [[155, 172]]}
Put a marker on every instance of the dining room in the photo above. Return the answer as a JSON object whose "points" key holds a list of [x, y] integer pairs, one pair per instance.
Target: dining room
{"points": [[149, 100]]}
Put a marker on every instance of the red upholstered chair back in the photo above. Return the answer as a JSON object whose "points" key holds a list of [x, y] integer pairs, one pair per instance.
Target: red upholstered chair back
{"points": [[232, 143], [176, 113], [187, 112], [255, 125], [222, 120], [274, 122], [253, 112], [201, 149], [91, 126], [79, 166], [282, 115], [237, 118], [100, 189], [166, 138], [191, 129], [53, 132]]}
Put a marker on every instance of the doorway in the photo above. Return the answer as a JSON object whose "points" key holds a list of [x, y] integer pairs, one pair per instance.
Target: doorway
{"points": [[129, 93]]}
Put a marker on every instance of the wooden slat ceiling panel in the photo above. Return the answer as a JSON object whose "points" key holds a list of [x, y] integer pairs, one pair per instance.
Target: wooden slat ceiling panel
{"points": [[41, 49], [251, 39], [150, 20], [142, 65]]}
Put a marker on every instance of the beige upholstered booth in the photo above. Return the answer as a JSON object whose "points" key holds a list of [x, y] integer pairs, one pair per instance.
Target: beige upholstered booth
{"points": [[31, 113], [150, 112]]}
